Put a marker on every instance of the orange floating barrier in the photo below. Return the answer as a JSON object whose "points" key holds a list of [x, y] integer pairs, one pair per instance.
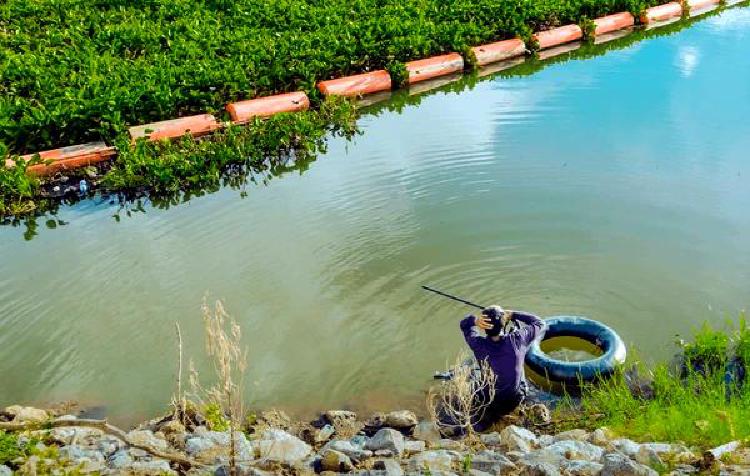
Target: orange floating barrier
{"points": [[199, 125], [67, 158], [701, 4], [558, 36], [243, 111], [614, 22], [442, 65], [499, 51], [357, 85], [661, 12]]}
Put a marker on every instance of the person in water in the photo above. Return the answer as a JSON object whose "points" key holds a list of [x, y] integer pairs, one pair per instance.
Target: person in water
{"points": [[503, 347]]}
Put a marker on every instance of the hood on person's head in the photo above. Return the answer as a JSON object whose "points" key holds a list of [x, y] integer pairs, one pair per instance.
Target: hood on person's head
{"points": [[496, 315]]}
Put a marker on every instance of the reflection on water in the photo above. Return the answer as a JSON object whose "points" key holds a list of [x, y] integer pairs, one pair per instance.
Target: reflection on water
{"points": [[614, 188], [570, 349]]}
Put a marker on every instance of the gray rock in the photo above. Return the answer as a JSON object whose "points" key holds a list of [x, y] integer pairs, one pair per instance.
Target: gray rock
{"points": [[477, 472], [448, 444], [579, 435], [146, 438], [385, 453], [648, 456], [67, 418], [401, 419], [437, 460], [414, 446], [615, 464], [540, 469], [280, 446], [426, 431], [68, 436], [599, 437], [627, 447], [720, 451], [72, 453], [5, 471], [121, 459], [576, 450], [518, 439], [332, 460], [582, 468], [492, 462], [545, 440], [355, 452], [386, 439], [157, 467], [388, 467], [490, 439], [211, 446]]}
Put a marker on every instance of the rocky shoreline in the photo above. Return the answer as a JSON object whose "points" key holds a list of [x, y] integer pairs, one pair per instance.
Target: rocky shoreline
{"points": [[388, 444]]}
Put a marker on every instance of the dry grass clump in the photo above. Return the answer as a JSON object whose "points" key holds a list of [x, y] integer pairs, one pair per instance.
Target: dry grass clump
{"points": [[456, 404]]}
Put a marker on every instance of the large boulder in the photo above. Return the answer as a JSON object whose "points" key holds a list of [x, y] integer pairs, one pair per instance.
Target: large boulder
{"points": [[515, 438], [386, 439], [401, 419], [280, 446], [616, 464], [5, 471]]}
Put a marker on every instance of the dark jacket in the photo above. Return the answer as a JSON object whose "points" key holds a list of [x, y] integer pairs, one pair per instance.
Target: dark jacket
{"points": [[506, 356]]}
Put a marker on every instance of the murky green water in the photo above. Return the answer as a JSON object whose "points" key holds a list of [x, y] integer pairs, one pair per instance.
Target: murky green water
{"points": [[616, 187]]}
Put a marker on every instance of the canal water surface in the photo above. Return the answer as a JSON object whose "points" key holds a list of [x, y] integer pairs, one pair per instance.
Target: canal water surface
{"points": [[615, 187]]}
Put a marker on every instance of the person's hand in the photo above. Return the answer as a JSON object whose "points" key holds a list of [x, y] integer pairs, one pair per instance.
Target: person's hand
{"points": [[482, 322]]}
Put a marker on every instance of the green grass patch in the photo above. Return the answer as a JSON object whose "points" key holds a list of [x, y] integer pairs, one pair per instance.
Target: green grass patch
{"points": [[78, 70], [697, 407]]}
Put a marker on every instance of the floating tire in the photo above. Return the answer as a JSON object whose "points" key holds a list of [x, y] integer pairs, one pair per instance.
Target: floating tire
{"points": [[592, 331]]}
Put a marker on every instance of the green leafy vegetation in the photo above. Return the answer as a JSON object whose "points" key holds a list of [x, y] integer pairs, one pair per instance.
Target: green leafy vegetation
{"points": [[698, 406], [9, 447], [77, 70], [17, 188], [189, 163]]}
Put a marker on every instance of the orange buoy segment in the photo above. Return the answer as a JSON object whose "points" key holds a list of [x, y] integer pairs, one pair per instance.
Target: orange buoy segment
{"points": [[243, 111], [615, 22], [357, 85], [196, 126], [661, 12], [701, 4], [499, 51], [421, 70], [558, 36], [66, 158]]}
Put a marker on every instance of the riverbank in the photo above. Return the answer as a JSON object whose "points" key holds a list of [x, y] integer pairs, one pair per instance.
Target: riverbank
{"points": [[690, 420], [340, 442]]}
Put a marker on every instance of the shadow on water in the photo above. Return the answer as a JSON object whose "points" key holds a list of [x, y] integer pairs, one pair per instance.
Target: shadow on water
{"points": [[241, 177]]}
